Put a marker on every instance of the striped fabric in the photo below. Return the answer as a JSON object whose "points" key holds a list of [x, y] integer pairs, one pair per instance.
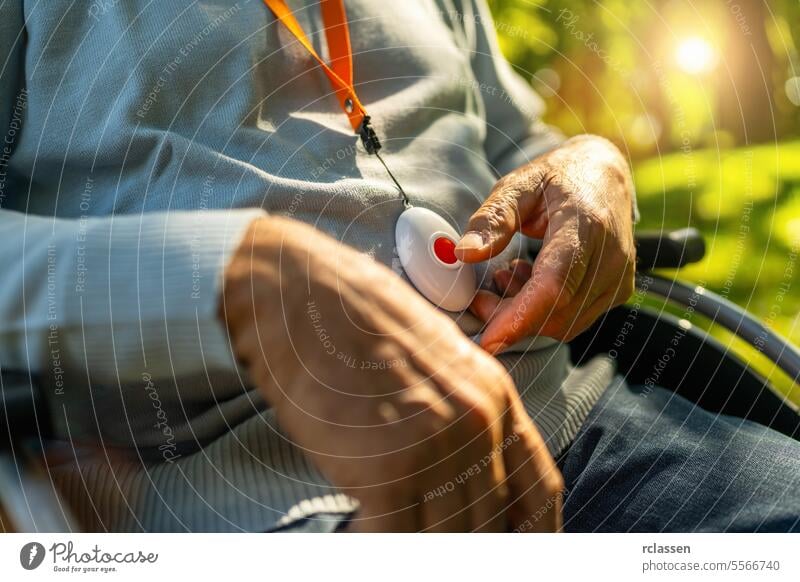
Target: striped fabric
{"points": [[254, 479]]}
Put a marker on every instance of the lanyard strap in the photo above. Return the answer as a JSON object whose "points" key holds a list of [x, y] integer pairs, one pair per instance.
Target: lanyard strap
{"points": [[340, 71]]}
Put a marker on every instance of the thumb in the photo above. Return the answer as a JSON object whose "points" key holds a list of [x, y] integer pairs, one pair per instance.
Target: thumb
{"points": [[491, 228]]}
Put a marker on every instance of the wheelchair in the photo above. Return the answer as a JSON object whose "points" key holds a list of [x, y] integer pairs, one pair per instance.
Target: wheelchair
{"points": [[648, 344]]}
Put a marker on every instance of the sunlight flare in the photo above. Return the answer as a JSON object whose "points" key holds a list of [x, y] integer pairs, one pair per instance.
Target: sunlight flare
{"points": [[695, 55]]}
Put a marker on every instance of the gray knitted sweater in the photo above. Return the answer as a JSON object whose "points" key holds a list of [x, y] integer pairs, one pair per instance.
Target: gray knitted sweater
{"points": [[140, 140]]}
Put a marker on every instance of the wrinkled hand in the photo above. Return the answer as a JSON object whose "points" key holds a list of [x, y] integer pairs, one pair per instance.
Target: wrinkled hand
{"points": [[576, 198], [385, 394]]}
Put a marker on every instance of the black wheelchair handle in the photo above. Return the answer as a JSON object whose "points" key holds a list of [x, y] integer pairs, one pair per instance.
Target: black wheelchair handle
{"points": [[668, 249]]}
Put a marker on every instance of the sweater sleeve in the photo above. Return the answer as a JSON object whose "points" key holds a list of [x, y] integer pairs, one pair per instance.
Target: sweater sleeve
{"points": [[116, 297], [112, 298]]}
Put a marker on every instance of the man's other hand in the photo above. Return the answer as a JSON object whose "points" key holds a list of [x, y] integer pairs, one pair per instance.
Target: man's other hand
{"points": [[385, 394], [577, 198]]}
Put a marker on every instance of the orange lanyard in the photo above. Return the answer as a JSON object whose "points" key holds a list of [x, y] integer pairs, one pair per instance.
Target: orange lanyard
{"points": [[340, 71]]}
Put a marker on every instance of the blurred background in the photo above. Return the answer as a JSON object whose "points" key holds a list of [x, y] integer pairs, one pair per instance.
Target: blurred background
{"points": [[704, 97]]}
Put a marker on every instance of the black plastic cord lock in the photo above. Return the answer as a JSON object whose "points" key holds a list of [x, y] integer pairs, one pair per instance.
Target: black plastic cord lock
{"points": [[368, 136]]}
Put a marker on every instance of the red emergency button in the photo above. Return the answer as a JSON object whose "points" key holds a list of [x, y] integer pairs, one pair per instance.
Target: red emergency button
{"points": [[445, 250]]}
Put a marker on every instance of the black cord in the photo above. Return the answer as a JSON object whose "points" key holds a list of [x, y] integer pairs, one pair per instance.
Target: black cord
{"points": [[406, 201], [372, 144]]}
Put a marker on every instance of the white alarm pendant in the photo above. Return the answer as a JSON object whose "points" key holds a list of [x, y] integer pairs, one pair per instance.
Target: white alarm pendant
{"points": [[426, 247], [425, 241]]}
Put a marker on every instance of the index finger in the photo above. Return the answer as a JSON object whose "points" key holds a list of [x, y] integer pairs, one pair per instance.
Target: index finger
{"points": [[558, 272], [511, 203]]}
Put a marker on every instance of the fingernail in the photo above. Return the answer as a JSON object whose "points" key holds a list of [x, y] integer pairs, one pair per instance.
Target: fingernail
{"points": [[471, 241]]}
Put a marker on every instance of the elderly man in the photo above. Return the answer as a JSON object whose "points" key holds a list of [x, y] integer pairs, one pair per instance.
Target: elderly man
{"points": [[201, 269]]}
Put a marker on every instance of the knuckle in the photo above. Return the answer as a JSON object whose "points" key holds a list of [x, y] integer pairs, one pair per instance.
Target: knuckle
{"points": [[506, 390], [628, 288], [498, 212], [493, 377], [553, 482]]}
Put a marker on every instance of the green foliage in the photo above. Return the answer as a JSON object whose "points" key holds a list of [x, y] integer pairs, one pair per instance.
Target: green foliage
{"points": [[621, 75]]}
